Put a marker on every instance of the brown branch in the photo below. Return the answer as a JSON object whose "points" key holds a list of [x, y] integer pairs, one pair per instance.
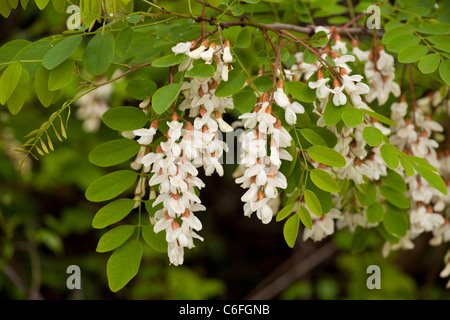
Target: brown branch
{"points": [[293, 269]]}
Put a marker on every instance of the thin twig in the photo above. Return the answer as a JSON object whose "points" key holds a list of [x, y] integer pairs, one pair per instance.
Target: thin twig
{"points": [[294, 268]]}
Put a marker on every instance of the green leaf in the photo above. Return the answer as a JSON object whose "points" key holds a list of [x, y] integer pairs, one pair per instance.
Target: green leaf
{"points": [[44, 95], [300, 91], [34, 51], [440, 42], [112, 213], [407, 166], [114, 238], [352, 117], [10, 49], [59, 5], [263, 83], [324, 180], [41, 4], [444, 71], [61, 76], [201, 70], [13, 3], [326, 156], [329, 137], [395, 222], [435, 28], [293, 196], [373, 136], [141, 89], [60, 52], [20, 93], [244, 39], [156, 241], [412, 53], [313, 203], [305, 217], [237, 9], [123, 264], [9, 81], [290, 230], [125, 118], [375, 213], [309, 57], [332, 114], [319, 39], [395, 198], [369, 194], [236, 80], [394, 32], [244, 101], [390, 156], [123, 41], [313, 137], [398, 43], [286, 211], [429, 63], [360, 239], [5, 9], [114, 152], [432, 178], [165, 96], [169, 60], [395, 181], [24, 3], [325, 198], [380, 118], [110, 185], [422, 162], [99, 53]]}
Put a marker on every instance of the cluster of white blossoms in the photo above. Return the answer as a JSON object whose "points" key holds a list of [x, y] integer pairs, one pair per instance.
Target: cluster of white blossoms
{"points": [[175, 178], [430, 209], [206, 147], [379, 69], [173, 165], [262, 151], [91, 107], [417, 134]]}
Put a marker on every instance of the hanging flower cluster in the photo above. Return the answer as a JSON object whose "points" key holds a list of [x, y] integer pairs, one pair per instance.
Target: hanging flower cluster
{"points": [[175, 161], [261, 176]]}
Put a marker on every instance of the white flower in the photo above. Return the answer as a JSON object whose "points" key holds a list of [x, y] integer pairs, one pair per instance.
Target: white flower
{"points": [[322, 226], [195, 54], [182, 47], [208, 54], [223, 126], [281, 98], [291, 110], [322, 90], [339, 97], [404, 243], [385, 62], [146, 135], [227, 58], [421, 220], [339, 46]]}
